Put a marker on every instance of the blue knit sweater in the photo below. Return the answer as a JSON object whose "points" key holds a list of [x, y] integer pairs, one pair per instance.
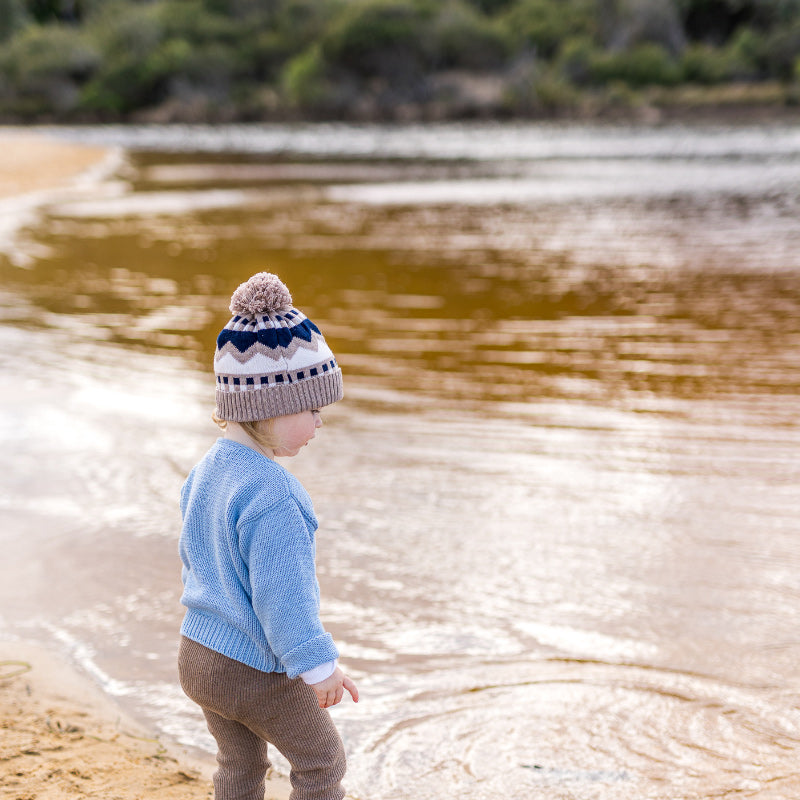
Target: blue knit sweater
{"points": [[247, 546]]}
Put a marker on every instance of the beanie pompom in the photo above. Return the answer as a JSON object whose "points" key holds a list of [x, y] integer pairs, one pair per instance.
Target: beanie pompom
{"points": [[264, 293]]}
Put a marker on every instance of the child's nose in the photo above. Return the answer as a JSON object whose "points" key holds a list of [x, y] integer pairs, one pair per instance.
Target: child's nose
{"points": [[317, 421]]}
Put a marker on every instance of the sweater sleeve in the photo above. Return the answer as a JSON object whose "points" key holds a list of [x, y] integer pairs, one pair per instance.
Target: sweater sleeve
{"points": [[278, 549]]}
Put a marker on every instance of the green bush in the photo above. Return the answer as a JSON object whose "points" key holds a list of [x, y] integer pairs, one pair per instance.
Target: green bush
{"points": [[383, 38], [49, 51], [12, 17], [303, 77], [150, 49], [541, 90], [250, 10], [128, 38], [300, 23], [189, 20], [576, 60], [782, 49], [294, 27], [128, 30], [552, 93], [462, 38], [542, 25], [644, 65], [214, 64], [701, 63], [746, 53], [45, 66], [48, 12], [491, 7], [266, 53], [118, 56]]}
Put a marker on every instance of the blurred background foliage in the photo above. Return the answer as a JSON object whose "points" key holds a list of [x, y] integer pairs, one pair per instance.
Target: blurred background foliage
{"points": [[217, 60]]}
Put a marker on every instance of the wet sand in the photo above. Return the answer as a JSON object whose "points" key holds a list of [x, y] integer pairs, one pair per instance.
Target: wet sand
{"points": [[61, 734], [31, 162]]}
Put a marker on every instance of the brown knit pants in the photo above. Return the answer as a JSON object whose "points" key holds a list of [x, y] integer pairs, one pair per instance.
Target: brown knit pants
{"points": [[245, 709]]}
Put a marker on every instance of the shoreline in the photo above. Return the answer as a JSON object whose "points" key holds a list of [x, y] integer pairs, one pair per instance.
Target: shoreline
{"points": [[62, 734], [33, 162], [35, 168], [461, 95]]}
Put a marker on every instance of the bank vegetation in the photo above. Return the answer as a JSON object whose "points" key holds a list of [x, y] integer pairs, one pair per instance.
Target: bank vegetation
{"points": [[226, 60]]}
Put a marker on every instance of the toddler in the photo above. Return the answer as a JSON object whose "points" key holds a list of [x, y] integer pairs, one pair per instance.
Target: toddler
{"points": [[253, 654]]}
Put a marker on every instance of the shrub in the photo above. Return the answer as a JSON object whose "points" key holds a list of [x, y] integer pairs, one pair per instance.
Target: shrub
{"points": [[124, 30], [703, 64], [236, 9], [491, 6], [540, 89], [542, 25], [266, 53], [42, 52], [299, 23], [746, 54], [463, 38], [385, 38], [46, 66], [782, 49], [302, 80], [128, 37], [189, 19], [12, 17], [51, 11], [644, 65], [553, 94], [576, 60], [294, 27]]}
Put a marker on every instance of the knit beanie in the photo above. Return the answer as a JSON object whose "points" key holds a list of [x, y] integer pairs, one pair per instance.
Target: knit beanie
{"points": [[271, 360]]}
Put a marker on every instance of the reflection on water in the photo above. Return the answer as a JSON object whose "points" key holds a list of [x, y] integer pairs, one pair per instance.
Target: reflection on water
{"points": [[558, 507], [630, 300]]}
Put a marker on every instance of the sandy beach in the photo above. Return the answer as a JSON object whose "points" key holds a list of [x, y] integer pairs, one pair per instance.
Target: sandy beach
{"points": [[62, 736], [31, 162]]}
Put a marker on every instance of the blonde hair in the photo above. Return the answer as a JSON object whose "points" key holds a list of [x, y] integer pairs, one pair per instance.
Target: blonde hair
{"points": [[261, 431]]}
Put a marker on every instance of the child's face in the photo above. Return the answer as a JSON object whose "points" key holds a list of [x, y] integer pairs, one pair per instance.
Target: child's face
{"points": [[294, 431]]}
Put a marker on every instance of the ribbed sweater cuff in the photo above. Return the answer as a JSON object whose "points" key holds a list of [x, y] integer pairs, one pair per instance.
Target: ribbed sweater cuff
{"points": [[310, 654]]}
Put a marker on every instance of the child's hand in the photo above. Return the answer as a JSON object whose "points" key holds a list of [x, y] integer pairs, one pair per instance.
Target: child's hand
{"points": [[330, 691]]}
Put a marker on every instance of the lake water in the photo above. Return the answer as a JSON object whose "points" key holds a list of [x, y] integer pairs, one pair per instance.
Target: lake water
{"points": [[559, 542]]}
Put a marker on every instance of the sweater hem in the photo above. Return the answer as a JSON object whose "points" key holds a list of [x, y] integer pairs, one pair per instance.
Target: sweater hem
{"points": [[221, 637]]}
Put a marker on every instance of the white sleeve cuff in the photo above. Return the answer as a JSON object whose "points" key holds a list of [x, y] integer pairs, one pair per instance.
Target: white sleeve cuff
{"points": [[320, 673]]}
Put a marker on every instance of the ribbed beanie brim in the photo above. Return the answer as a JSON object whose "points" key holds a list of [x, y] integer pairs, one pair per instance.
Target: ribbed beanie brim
{"points": [[281, 400]]}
